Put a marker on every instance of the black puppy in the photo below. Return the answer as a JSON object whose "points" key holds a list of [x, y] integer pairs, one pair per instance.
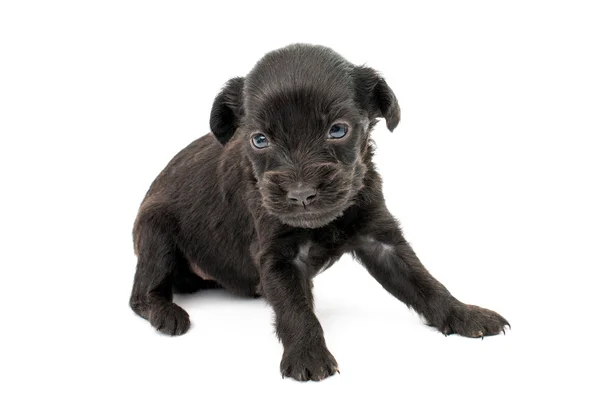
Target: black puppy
{"points": [[281, 188]]}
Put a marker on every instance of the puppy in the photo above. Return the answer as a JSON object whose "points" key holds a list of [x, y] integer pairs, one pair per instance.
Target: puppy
{"points": [[280, 190]]}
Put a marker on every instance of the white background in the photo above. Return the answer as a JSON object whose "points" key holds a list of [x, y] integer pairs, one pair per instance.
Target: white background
{"points": [[493, 173]]}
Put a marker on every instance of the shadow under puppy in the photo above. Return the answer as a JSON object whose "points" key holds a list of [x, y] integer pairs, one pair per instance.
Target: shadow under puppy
{"points": [[280, 190]]}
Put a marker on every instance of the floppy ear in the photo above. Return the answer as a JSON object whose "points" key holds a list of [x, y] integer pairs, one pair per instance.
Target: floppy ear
{"points": [[227, 110], [376, 97]]}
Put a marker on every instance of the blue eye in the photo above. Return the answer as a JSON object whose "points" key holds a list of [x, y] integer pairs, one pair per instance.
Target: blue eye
{"points": [[260, 141], [338, 130]]}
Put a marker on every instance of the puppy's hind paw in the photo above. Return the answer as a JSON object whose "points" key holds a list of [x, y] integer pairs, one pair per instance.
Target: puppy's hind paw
{"points": [[170, 319]]}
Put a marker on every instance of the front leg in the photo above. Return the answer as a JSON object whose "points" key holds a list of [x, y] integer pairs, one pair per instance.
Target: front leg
{"points": [[390, 259], [287, 287]]}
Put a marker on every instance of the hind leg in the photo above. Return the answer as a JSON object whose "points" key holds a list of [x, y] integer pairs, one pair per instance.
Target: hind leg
{"points": [[152, 294]]}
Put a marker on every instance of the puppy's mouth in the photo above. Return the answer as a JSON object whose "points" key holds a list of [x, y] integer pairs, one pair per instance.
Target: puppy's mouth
{"points": [[334, 191], [311, 218]]}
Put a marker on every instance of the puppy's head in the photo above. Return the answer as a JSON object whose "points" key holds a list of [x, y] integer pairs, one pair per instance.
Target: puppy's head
{"points": [[304, 114]]}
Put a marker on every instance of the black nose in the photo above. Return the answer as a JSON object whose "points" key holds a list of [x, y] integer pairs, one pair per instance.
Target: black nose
{"points": [[302, 195]]}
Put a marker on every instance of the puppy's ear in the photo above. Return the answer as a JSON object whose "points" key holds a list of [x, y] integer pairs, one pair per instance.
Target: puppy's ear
{"points": [[227, 110], [376, 97]]}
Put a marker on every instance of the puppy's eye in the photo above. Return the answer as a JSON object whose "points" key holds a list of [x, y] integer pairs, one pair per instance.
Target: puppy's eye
{"points": [[338, 131], [260, 141]]}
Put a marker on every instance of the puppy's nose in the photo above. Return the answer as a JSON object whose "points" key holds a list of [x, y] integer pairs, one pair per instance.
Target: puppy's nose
{"points": [[301, 195]]}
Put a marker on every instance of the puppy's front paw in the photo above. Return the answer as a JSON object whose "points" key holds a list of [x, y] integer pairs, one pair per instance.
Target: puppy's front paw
{"points": [[169, 319], [472, 321], [308, 363]]}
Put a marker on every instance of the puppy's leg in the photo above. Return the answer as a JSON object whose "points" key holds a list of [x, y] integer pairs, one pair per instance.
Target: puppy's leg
{"points": [[390, 259], [287, 287], [152, 293]]}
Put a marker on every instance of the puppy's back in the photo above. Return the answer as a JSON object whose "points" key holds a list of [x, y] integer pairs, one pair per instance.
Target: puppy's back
{"points": [[187, 176]]}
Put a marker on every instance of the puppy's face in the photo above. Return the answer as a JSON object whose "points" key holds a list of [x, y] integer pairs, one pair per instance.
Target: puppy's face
{"points": [[305, 146], [304, 115]]}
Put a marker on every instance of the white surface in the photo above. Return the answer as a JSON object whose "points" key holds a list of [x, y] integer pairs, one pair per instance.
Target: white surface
{"points": [[493, 173]]}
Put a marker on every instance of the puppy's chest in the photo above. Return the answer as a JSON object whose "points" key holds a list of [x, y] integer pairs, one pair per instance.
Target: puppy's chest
{"points": [[312, 258]]}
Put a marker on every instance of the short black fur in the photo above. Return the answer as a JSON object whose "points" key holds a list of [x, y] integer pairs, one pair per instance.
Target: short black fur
{"points": [[224, 213]]}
